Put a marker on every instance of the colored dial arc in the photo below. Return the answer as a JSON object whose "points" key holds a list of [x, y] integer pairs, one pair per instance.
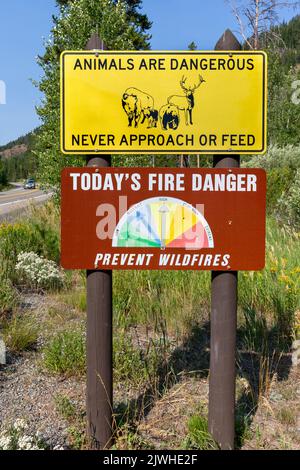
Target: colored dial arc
{"points": [[163, 222]]}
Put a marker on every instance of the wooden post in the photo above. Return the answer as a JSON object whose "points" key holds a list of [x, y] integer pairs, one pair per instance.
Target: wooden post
{"points": [[99, 334], [222, 376]]}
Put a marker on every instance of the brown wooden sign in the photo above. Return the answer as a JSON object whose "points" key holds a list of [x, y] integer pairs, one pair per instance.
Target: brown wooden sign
{"points": [[161, 218]]}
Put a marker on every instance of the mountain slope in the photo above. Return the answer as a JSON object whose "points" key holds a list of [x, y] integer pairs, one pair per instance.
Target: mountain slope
{"points": [[16, 157], [19, 146]]}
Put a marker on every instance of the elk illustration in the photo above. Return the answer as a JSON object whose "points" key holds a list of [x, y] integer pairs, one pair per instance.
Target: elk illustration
{"points": [[186, 102]]}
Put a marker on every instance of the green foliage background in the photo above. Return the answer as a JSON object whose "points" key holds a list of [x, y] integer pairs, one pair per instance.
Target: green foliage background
{"points": [[120, 27], [283, 113]]}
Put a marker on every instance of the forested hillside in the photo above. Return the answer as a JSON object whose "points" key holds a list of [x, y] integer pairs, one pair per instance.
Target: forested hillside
{"points": [[23, 140], [289, 34], [17, 160]]}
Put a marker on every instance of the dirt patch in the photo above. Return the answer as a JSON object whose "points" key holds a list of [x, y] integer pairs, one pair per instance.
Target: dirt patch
{"points": [[276, 423], [165, 427], [28, 393]]}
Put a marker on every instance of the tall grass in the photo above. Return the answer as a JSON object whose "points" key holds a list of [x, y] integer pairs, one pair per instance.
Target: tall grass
{"points": [[175, 301], [273, 295], [198, 437], [162, 299], [136, 366], [20, 333]]}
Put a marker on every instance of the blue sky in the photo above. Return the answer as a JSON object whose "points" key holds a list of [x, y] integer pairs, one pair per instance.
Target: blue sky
{"points": [[24, 24]]}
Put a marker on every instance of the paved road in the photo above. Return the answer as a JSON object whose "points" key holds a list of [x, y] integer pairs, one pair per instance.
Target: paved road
{"points": [[16, 199]]}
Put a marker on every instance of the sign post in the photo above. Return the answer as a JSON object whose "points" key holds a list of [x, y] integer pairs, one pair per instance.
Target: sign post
{"points": [[142, 102], [222, 374], [99, 333]]}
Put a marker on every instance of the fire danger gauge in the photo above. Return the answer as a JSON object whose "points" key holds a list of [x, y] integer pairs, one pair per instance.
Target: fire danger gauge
{"points": [[163, 102], [163, 222]]}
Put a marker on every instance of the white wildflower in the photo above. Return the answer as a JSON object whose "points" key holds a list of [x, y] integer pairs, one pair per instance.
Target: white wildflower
{"points": [[25, 443], [5, 442], [39, 435], [20, 425], [38, 270], [35, 447]]}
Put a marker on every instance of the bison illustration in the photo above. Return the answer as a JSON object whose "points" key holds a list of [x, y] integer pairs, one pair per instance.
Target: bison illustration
{"points": [[138, 106]]}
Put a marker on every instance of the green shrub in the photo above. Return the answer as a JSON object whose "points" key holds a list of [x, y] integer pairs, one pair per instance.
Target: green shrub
{"points": [[8, 295], [278, 182], [276, 157], [199, 437], [282, 165], [15, 238], [20, 333], [45, 221], [65, 353], [289, 203], [134, 366], [127, 437], [65, 407], [77, 437]]}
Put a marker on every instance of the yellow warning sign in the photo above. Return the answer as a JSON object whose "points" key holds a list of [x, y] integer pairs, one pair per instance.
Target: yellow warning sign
{"points": [[163, 102]]}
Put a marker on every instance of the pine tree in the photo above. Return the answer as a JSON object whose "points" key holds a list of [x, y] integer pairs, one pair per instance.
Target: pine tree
{"points": [[3, 175], [192, 46], [139, 21], [73, 27]]}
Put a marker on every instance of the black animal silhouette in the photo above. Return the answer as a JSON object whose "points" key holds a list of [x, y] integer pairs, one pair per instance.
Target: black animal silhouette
{"points": [[186, 102], [153, 118], [169, 117], [138, 106]]}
